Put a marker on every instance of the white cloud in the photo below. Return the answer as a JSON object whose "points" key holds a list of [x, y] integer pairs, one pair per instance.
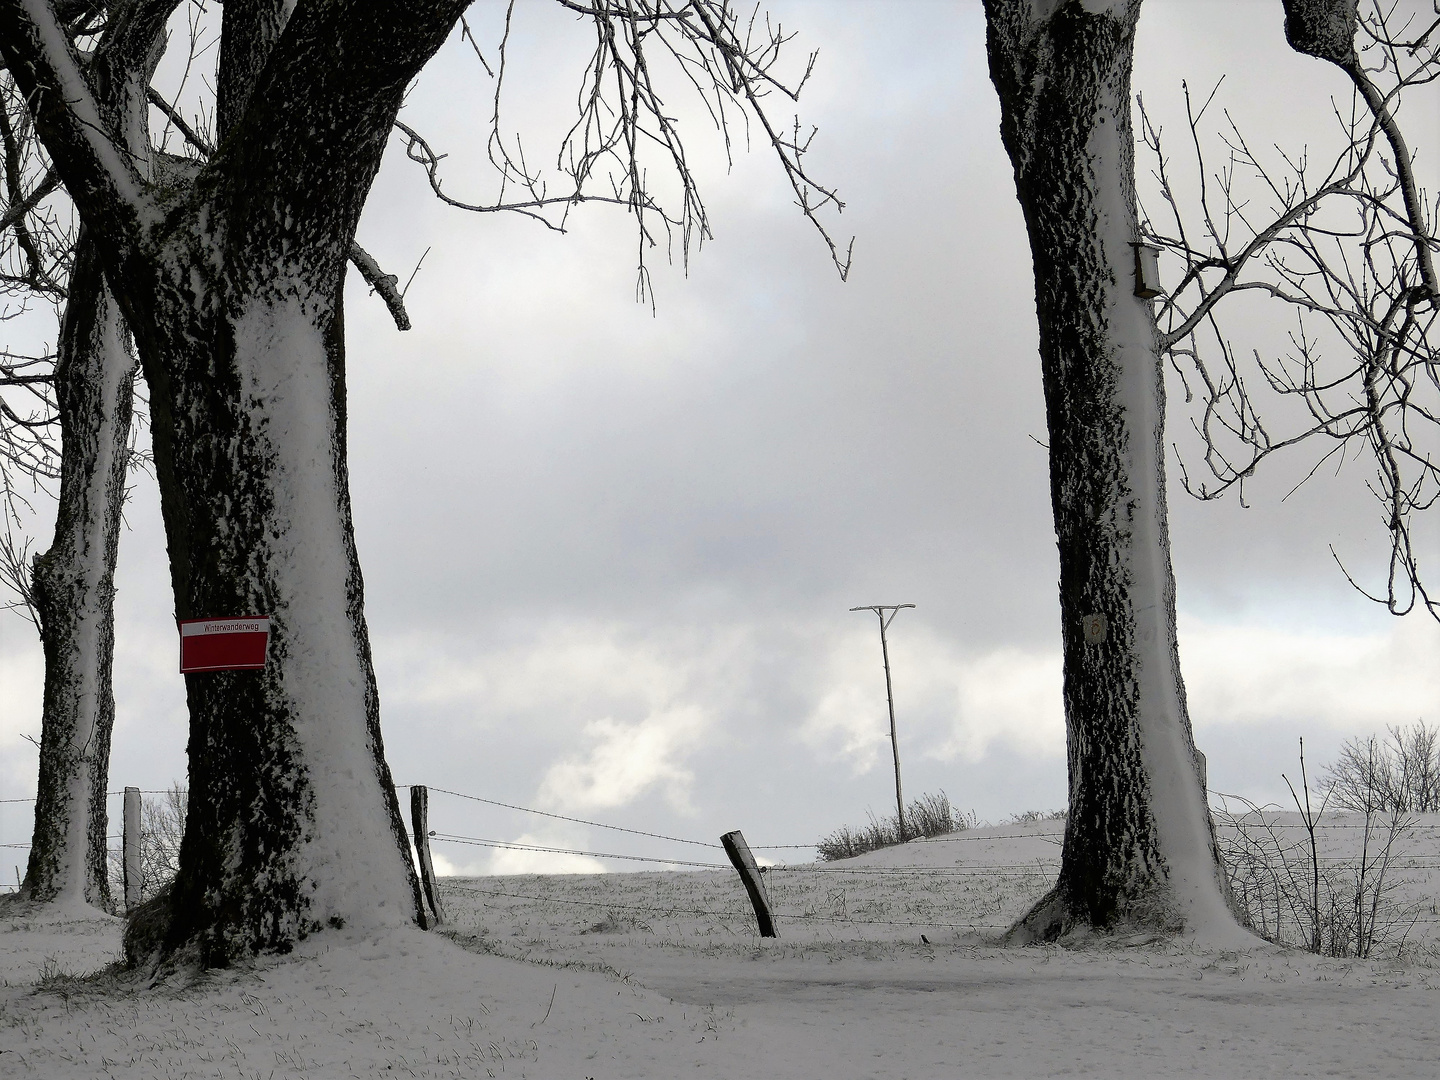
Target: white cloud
{"points": [[845, 723], [1010, 696], [626, 708], [950, 701], [452, 859], [22, 685], [22, 676], [627, 760], [459, 867], [569, 664], [613, 721], [1249, 674], [511, 861], [955, 703]]}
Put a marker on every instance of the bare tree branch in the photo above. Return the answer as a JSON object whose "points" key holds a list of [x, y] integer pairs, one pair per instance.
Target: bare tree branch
{"points": [[622, 121], [1348, 251]]}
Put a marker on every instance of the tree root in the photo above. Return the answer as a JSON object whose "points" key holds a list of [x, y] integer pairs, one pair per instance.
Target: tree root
{"points": [[1054, 920]]}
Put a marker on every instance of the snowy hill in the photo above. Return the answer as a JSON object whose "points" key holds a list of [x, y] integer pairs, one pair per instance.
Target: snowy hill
{"points": [[663, 974]]}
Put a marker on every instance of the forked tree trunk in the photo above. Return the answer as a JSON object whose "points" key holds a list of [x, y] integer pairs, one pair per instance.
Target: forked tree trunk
{"points": [[293, 823], [74, 594], [1139, 842], [232, 285]]}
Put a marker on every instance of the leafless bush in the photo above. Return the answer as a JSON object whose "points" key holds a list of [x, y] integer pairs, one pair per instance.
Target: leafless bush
{"points": [[1399, 773], [1290, 895], [929, 815], [162, 825]]}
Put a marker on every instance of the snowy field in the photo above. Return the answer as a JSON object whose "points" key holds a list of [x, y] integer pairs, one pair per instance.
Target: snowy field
{"points": [[885, 967]]}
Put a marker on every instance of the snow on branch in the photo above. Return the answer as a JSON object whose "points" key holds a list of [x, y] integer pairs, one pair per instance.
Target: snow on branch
{"points": [[384, 284], [98, 174]]}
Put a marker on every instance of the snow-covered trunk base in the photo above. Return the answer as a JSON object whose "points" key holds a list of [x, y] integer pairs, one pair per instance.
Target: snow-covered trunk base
{"points": [[293, 824], [1139, 843], [74, 596]]}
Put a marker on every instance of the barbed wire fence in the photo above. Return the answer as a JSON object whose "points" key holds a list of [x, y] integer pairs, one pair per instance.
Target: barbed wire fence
{"points": [[1255, 868]]}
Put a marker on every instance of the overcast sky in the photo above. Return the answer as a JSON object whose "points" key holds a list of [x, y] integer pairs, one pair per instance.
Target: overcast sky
{"points": [[609, 554]]}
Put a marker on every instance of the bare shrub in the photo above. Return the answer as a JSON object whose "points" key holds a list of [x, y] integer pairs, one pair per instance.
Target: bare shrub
{"points": [[1290, 895], [929, 815], [1400, 772]]}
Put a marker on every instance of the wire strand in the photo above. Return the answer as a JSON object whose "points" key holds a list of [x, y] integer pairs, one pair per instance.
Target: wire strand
{"points": [[578, 821], [475, 841]]}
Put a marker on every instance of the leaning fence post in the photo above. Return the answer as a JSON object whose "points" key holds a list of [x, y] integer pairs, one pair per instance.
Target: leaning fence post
{"points": [[419, 818], [130, 860], [739, 853]]}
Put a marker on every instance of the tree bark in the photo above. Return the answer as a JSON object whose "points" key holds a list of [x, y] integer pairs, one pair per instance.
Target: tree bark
{"points": [[74, 585], [1139, 844], [232, 285], [74, 595]]}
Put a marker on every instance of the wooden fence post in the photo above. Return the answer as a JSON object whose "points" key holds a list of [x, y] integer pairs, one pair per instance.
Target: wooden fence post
{"points": [[130, 860], [419, 819], [739, 853]]}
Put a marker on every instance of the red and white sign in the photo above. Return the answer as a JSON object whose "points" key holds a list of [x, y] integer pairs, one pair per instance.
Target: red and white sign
{"points": [[225, 644]]}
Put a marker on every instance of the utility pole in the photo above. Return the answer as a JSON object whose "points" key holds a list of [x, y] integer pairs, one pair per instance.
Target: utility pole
{"points": [[880, 610]]}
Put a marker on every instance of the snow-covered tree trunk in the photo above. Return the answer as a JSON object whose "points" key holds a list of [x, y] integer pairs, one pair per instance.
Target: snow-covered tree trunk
{"points": [[232, 285], [1139, 843], [74, 580], [74, 593], [293, 822]]}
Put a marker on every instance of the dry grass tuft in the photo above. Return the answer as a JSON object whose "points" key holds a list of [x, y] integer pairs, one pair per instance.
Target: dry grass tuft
{"points": [[929, 815]]}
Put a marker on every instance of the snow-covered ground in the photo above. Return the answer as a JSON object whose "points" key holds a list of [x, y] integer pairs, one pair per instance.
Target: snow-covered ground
{"points": [[663, 975]]}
